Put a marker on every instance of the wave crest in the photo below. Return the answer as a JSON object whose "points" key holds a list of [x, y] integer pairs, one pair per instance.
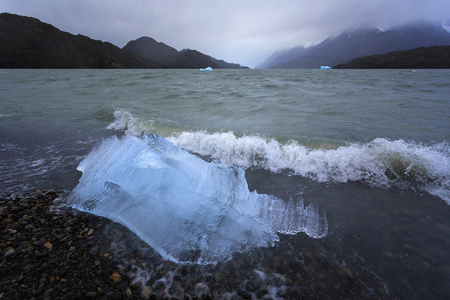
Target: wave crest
{"points": [[125, 121], [380, 163]]}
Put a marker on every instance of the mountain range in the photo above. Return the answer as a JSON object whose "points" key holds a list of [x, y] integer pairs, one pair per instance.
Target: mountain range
{"points": [[26, 42], [354, 44], [170, 57], [29, 43]]}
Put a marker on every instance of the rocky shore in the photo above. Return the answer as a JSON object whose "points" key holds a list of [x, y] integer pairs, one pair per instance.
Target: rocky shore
{"points": [[50, 251], [57, 254]]}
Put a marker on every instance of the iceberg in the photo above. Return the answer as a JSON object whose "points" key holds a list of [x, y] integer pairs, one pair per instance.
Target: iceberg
{"points": [[189, 210], [206, 69], [324, 67]]}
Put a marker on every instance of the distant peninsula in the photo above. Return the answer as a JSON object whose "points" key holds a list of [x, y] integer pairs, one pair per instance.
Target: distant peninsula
{"points": [[437, 57], [27, 42]]}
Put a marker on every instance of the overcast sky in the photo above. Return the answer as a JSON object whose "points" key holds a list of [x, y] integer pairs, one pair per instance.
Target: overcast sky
{"points": [[239, 31]]}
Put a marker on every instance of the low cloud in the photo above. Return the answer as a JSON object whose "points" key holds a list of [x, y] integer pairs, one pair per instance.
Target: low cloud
{"points": [[245, 32]]}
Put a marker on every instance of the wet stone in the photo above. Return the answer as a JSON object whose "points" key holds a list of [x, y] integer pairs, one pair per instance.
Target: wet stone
{"points": [[90, 294], [116, 277], [42, 254], [60, 236], [114, 295], [48, 245], [9, 252], [93, 251]]}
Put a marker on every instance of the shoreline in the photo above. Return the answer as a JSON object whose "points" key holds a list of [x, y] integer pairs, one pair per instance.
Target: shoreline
{"points": [[51, 251], [57, 254]]}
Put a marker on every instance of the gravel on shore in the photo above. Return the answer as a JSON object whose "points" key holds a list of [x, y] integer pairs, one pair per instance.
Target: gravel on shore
{"points": [[63, 254], [51, 251]]}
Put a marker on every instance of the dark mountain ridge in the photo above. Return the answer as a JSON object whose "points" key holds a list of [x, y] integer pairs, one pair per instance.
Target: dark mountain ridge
{"points": [[436, 57], [170, 57], [353, 44], [29, 43], [26, 42]]}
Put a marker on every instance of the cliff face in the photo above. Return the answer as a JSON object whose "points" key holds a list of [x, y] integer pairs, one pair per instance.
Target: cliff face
{"points": [[437, 57], [29, 43]]}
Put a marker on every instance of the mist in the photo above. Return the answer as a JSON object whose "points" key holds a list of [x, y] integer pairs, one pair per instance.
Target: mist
{"points": [[244, 32]]}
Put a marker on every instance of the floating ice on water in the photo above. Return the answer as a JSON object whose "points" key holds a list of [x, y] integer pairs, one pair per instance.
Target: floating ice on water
{"points": [[187, 209], [206, 69], [324, 67]]}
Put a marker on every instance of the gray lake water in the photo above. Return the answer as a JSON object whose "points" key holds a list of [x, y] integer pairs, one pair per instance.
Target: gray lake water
{"points": [[370, 148]]}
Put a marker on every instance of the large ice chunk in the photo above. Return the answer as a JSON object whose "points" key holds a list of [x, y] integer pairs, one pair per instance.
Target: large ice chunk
{"points": [[187, 209]]}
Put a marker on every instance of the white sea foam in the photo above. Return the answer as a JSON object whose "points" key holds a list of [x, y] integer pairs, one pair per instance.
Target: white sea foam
{"points": [[8, 115], [125, 121], [379, 163], [32, 169]]}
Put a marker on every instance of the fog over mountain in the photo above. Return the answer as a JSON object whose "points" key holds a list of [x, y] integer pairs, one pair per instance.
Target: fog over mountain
{"points": [[355, 43], [245, 32]]}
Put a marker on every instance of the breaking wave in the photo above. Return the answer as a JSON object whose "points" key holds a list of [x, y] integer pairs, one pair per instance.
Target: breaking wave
{"points": [[379, 163]]}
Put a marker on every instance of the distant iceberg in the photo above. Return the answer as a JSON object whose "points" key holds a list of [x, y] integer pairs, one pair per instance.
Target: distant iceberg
{"points": [[207, 69], [324, 67], [187, 209]]}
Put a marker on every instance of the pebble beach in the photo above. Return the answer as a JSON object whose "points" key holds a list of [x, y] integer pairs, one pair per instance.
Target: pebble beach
{"points": [[49, 251], [56, 254]]}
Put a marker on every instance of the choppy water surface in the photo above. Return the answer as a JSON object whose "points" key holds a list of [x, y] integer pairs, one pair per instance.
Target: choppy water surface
{"points": [[368, 148]]}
